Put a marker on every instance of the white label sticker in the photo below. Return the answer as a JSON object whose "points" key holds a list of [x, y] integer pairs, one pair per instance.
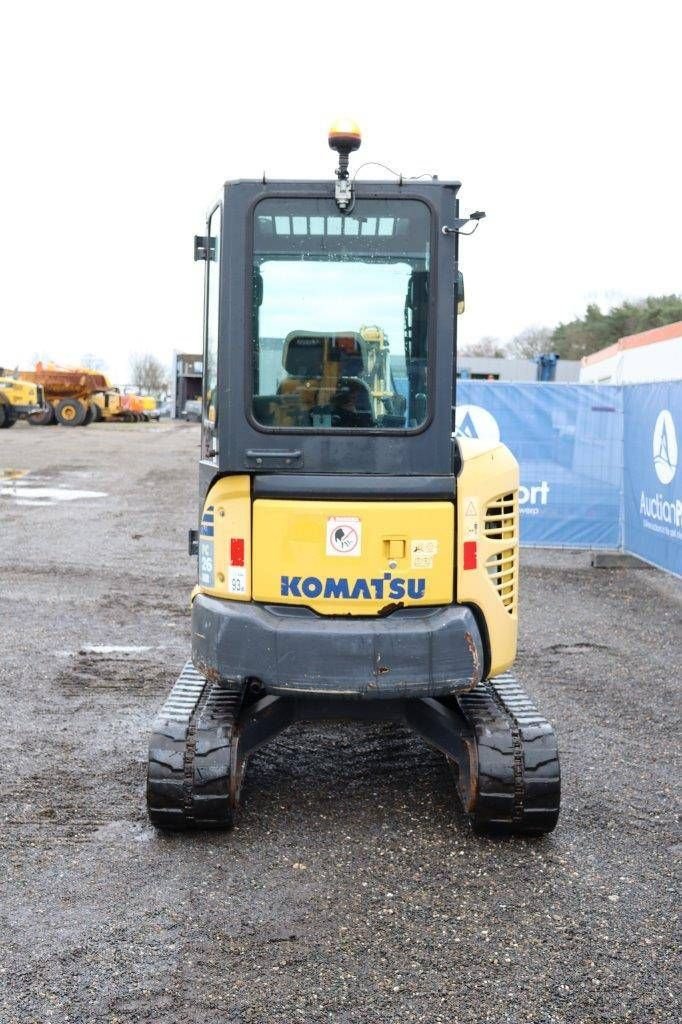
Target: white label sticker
{"points": [[423, 553], [206, 575], [236, 580], [344, 535]]}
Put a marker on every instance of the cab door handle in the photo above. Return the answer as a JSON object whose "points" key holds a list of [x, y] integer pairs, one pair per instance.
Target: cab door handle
{"points": [[265, 458]]}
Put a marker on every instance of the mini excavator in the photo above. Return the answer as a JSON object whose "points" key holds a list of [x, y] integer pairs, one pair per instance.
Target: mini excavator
{"points": [[356, 560]]}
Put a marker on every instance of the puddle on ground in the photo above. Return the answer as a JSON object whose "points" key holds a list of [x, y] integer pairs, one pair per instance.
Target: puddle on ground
{"points": [[21, 488]]}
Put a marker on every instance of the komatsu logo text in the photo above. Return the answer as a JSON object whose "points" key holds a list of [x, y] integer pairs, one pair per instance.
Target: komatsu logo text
{"points": [[378, 588]]}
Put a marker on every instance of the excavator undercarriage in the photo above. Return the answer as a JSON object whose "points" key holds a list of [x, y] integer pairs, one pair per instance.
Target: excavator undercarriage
{"points": [[503, 752]]}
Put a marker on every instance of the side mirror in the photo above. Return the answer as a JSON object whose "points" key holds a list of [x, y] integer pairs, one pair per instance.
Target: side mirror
{"points": [[460, 292]]}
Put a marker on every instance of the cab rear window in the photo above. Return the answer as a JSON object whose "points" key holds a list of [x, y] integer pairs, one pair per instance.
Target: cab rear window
{"points": [[340, 315]]}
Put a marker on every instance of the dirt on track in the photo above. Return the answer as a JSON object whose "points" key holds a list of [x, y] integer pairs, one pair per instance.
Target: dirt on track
{"points": [[352, 890]]}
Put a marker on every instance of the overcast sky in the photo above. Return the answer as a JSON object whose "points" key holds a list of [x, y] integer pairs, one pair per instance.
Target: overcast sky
{"points": [[121, 120]]}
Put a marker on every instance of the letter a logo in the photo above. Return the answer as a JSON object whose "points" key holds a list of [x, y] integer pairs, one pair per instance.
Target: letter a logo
{"points": [[665, 447], [467, 427], [476, 422]]}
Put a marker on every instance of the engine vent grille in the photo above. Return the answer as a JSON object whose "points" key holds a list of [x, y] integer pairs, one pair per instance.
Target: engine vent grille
{"points": [[501, 518]]}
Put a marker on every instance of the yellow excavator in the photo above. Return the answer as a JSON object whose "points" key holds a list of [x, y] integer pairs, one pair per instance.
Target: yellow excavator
{"points": [[355, 559]]}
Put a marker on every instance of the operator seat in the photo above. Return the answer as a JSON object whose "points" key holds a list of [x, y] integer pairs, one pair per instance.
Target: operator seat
{"points": [[323, 380], [303, 360]]}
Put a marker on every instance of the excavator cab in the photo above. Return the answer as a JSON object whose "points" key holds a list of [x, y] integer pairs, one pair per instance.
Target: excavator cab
{"points": [[355, 559]]}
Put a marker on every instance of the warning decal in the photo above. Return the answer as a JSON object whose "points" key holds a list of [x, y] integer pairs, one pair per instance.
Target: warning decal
{"points": [[423, 552], [344, 535], [471, 518]]}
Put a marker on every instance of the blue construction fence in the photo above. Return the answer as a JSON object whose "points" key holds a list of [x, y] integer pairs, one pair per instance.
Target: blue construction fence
{"points": [[599, 463]]}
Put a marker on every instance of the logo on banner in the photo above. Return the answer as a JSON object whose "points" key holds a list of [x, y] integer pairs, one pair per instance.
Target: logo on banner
{"points": [[662, 512], [475, 421], [533, 496], [665, 447]]}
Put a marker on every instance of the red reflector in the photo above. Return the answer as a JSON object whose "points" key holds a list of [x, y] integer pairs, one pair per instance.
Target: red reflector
{"points": [[236, 551], [469, 552]]}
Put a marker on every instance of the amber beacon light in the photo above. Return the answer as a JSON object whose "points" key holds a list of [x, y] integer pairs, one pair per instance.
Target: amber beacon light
{"points": [[345, 138]]}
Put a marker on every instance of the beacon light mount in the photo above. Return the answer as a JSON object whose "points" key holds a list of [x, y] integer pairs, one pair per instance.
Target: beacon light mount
{"points": [[345, 138]]}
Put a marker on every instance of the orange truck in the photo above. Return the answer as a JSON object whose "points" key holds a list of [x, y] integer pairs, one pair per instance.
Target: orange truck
{"points": [[132, 408]]}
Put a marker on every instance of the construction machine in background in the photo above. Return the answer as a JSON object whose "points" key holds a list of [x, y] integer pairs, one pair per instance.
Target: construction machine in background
{"points": [[125, 407], [77, 396], [19, 399], [139, 405], [106, 405], [132, 408], [150, 409], [355, 559], [69, 393]]}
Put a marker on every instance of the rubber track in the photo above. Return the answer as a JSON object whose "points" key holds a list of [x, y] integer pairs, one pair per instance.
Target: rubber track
{"points": [[190, 754], [519, 783]]}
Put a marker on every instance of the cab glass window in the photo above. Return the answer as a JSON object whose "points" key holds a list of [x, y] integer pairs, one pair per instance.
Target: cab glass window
{"points": [[210, 406], [340, 314]]}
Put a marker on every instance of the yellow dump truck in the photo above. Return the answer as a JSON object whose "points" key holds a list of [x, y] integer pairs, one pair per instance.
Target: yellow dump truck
{"points": [[75, 396], [68, 392], [19, 399], [106, 405]]}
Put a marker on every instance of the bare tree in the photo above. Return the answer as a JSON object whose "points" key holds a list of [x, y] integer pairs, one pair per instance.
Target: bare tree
{"points": [[149, 374], [490, 347], [532, 342]]}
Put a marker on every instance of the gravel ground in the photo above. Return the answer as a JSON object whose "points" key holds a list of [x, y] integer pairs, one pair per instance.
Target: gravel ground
{"points": [[353, 890]]}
